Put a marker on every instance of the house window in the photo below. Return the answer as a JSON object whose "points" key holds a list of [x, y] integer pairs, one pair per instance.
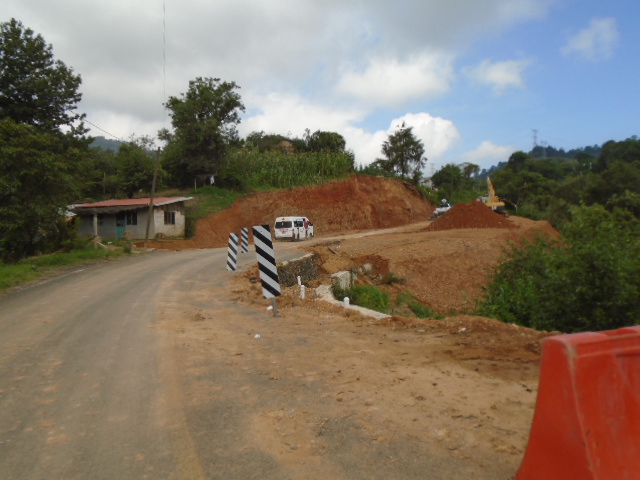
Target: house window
{"points": [[132, 218], [169, 218]]}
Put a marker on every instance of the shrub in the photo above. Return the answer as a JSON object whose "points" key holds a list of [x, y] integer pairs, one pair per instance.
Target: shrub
{"points": [[366, 296], [590, 280], [419, 309]]}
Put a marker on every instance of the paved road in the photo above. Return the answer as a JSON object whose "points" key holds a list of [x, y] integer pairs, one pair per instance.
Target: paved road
{"points": [[83, 394]]}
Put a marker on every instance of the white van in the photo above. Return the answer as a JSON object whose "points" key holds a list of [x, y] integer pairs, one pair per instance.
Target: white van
{"points": [[293, 228]]}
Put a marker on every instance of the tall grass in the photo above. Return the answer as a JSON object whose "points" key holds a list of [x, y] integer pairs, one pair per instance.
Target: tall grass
{"points": [[211, 199], [30, 269], [255, 170]]}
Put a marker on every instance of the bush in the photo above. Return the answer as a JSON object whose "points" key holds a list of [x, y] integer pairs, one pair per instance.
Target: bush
{"points": [[590, 280], [420, 310], [32, 268], [366, 296]]}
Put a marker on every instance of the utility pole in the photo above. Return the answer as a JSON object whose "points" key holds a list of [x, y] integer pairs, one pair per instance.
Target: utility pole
{"points": [[153, 192]]}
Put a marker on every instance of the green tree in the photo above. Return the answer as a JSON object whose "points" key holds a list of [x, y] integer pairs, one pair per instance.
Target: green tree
{"points": [[618, 178], [35, 89], [470, 171], [135, 168], [586, 281], [448, 180], [98, 172], [404, 152], [518, 161], [204, 121], [41, 139], [36, 184], [320, 141], [627, 151]]}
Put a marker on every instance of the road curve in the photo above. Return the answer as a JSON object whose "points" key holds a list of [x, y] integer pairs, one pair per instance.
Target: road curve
{"points": [[86, 387]]}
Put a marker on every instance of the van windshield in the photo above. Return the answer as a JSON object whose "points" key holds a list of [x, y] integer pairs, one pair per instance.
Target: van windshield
{"points": [[283, 224]]}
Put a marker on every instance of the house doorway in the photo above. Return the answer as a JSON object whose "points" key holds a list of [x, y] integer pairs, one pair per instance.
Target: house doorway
{"points": [[121, 222]]}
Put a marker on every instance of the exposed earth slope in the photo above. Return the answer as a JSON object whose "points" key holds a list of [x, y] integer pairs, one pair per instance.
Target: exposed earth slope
{"points": [[356, 203]]}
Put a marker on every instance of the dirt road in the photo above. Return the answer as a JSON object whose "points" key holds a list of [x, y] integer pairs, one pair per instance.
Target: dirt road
{"points": [[158, 367]]}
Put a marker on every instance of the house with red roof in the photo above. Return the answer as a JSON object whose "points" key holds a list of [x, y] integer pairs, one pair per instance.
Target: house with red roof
{"points": [[128, 218]]}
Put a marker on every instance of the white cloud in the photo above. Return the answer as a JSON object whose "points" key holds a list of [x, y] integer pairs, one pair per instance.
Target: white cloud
{"points": [[391, 83], [292, 114], [502, 76], [596, 42], [488, 153], [330, 65], [438, 135]]}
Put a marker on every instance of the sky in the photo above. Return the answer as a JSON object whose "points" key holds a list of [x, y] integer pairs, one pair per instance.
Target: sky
{"points": [[476, 79]]}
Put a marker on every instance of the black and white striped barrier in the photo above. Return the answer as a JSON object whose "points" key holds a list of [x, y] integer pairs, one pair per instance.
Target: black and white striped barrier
{"points": [[267, 264], [232, 254], [244, 240]]}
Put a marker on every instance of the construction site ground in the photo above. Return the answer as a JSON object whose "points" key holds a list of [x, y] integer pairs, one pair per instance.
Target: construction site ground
{"points": [[451, 397]]}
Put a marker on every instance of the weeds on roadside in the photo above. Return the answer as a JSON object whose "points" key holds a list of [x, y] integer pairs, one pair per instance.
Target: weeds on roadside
{"points": [[373, 298], [420, 310], [366, 296], [32, 268]]}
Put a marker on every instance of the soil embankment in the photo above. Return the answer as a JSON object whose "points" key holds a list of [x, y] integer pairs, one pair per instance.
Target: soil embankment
{"points": [[355, 203]]}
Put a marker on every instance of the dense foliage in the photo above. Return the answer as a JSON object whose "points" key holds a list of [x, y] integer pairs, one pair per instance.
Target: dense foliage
{"points": [[247, 168], [457, 183], [586, 280], [544, 188], [404, 154], [40, 142], [35, 89], [36, 185], [204, 120]]}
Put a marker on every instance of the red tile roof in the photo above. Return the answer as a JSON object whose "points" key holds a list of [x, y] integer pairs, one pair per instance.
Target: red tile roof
{"points": [[132, 202]]}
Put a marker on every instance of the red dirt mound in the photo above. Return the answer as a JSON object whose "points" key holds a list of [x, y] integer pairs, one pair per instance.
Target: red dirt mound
{"points": [[355, 203], [470, 215]]}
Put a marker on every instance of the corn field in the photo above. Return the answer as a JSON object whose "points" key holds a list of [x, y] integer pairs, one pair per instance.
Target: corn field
{"points": [[255, 170]]}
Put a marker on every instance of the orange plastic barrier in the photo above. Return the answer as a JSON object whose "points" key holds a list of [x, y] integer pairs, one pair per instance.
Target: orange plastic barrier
{"points": [[587, 419]]}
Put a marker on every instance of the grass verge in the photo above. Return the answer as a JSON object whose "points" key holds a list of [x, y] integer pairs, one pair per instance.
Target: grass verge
{"points": [[30, 269]]}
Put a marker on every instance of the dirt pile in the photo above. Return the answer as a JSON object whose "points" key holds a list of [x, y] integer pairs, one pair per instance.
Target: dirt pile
{"points": [[355, 203], [470, 215]]}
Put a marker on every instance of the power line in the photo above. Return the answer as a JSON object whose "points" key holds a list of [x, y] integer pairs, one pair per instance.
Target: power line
{"points": [[104, 131]]}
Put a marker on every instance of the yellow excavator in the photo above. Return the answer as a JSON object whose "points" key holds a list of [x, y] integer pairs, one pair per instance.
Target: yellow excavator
{"points": [[493, 201]]}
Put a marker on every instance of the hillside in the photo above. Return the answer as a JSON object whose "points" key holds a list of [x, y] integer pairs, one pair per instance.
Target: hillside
{"points": [[356, 203], [444, 263]]}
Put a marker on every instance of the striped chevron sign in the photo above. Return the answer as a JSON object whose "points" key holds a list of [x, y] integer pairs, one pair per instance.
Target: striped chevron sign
{"points": [[266, 261], [232, 255], [244, 240]]}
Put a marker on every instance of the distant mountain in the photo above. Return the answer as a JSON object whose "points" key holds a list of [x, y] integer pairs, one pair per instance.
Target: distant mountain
{"points": [[106, 144], [548, 151]]}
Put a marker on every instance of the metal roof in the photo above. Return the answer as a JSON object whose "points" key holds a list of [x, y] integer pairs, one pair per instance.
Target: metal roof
{"points": [[132, 202], [112, 206]]}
